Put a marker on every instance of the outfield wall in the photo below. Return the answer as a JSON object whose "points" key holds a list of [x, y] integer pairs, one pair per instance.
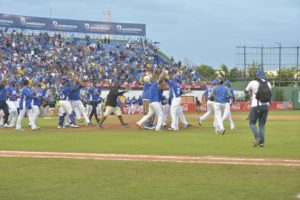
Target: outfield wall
{"points": [[190, 106]]}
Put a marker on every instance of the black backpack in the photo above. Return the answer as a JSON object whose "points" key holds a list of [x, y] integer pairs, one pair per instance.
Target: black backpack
{"points": [[264, 93]]}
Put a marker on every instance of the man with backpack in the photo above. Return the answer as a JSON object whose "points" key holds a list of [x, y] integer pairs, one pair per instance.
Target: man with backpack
{"points": [[261, 98]]}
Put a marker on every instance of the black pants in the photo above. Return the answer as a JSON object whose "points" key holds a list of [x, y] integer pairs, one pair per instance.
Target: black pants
{"points": [[94, 111], [4, 107]]}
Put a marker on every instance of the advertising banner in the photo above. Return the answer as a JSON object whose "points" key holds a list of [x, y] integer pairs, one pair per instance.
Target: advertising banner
{"points": [[66, 25]]}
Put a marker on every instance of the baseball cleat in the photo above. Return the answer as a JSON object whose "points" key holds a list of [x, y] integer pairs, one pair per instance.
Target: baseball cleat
{"points": [[100, 126], [7, 126], [149, 127], [35, 129], [138, 126], [74, 126], [187, 126], [200, 122], [19, 129], [125, 125]]}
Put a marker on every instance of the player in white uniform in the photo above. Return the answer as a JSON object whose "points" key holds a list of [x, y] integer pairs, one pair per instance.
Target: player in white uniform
{"points": [[210, 104], [12, 102], [76, 102], [133, 105], [176, 110], [227, 112], [155, 107], [220, 94], [65, 106], [26, 107]]}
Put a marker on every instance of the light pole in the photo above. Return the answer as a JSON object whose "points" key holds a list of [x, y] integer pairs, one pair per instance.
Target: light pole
{"points": [[50, 9], [279, 61]]}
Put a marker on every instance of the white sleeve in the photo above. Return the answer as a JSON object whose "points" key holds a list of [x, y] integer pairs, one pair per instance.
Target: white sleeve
{"points": [[249, 87]]}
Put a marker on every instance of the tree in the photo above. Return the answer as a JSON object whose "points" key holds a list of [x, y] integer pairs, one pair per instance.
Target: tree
{"points": [[223, 71], [234, 74], [286, 76], [206, 71]]}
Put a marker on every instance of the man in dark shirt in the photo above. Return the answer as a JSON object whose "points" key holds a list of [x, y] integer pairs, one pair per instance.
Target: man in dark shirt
{"points": [[111, 105], [3, 104]]}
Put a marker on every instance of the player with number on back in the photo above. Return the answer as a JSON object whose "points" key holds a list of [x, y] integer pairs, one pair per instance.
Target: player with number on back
{"points": [[65, 106]]}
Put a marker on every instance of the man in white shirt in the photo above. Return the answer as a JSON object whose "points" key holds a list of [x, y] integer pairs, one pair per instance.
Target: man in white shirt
{"points": [[259, 110]]}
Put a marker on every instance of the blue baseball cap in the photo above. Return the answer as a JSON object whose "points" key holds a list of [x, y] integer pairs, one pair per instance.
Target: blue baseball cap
{"points": [[214, 82], [177, 78], [227, 82], [260, 74]]}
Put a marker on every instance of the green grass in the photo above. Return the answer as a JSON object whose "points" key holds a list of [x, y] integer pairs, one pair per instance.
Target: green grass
{"points": [[282, 140], [84, 179], [33, 178]]}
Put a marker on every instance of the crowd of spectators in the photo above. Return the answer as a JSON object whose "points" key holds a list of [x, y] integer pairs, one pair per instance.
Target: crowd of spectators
{"points": [[45, 58]]}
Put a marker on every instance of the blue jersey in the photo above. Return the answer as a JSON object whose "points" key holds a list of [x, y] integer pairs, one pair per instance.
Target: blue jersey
{"points": [[207, 92], [97, 94], [133, 101], [127, 103], [93, 94], [146, 91], [37, 97], [175, 90], [230, 99], [155, 93], [11, 93], [64, 93], [221, 94], [26, 97], [75, 94], [140, 101], [2, 93]]}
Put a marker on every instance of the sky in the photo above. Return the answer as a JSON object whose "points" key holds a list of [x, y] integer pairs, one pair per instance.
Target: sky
{"points": [[201, 31]]}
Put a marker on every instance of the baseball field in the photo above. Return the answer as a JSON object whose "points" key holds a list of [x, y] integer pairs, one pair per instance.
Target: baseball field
{"points": [[128, 163]]}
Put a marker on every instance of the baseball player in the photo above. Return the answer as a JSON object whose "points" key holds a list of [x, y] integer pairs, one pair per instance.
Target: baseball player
{"points": [[210, 104], [94, 95], [176, 110], [227, 112], [127, 105], [76, 101], [26, 107], [155, 107], [198, 104], [220, 94], [100, 105], [133, 105], [166, 105], [147, 80], [140, 104], [65, 106], [12, 102], [88, 98], [37, 101]]}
